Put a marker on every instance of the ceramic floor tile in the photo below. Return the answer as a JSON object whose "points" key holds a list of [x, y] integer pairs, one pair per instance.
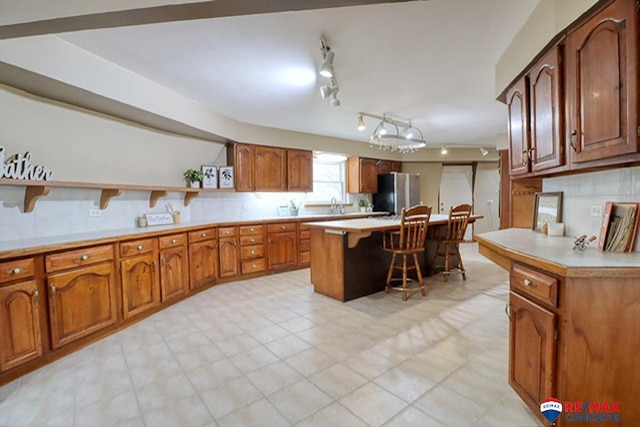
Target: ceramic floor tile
{"points": [[108, 411], [332, 415], [415, 417], [373, 404], [187, 412], [338, 380], [87, 392], [236, 344], [369, 363], [310, 361], [195, 357], [30, 412], [270, 333], [211, 375], [253, 359], [229, 396], [273, 377], [287, 346], [165, 392], [260, 413], [449, 407], [299, 400], [404, 383]]}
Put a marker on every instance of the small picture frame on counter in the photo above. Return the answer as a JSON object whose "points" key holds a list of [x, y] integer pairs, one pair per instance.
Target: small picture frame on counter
{"points": [[210, 179], [226, 177], [548, 209]]}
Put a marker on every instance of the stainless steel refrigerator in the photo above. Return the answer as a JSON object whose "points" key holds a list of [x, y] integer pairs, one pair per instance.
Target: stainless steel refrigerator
{"points": [[396, 191]]}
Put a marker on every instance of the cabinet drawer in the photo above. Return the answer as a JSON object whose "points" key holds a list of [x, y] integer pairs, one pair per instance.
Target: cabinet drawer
{"points": [[200, 235], [534, 283], [252, 239], [136, 247], [305, 245], [305, 234], [79, 257], [304, 227], [252, 266], [226, 231], [250, 252], [173, 240], [277, 228], [305, 257], [16, 269], [251, 229]]}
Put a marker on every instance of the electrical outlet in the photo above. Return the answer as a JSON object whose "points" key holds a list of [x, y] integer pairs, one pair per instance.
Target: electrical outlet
{"points": [[95, 212], [596, 210], [246, 206]]}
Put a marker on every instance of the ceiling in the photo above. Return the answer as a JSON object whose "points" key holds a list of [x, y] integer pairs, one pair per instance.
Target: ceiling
{"points": [[430, 62]]}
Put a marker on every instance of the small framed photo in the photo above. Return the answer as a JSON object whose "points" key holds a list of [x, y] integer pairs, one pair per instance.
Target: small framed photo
{"points": [[210, 179], [548, 209], [226, 177]]}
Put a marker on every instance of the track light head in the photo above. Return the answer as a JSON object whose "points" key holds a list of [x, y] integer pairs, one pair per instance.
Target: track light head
{"points": [[326, 70], [328, 90], [484, 151], [333, 100], [443, 150], [361, 125]]}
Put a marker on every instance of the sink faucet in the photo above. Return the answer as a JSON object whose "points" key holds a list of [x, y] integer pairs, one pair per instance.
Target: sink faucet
{"points": [[333, 205]]}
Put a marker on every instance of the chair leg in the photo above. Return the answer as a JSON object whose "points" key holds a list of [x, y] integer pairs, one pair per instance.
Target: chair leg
{"points": [[447, 261], [404, 277], [387, 288], [460, 265], [419, 273]]}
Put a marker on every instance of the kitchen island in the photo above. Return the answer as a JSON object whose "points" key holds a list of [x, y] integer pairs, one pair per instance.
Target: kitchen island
{"points": [[347, 259]]}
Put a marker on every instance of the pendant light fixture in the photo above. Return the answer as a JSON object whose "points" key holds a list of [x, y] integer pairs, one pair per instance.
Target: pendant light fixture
{"points": [[392, 134]]}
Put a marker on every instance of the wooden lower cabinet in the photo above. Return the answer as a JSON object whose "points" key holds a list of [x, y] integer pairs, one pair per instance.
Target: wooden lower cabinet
{"points": [[81, 301], [174, 273], [252, 253], [20, 339], [203, 257], [228, 253], [139, 276], [282, 245]]}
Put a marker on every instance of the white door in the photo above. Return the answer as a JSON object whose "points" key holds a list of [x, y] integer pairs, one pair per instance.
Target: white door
{"points": [[456, 189]]}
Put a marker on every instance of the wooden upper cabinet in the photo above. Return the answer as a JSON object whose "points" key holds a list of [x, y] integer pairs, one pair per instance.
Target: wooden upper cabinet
{"points": [[396, 166], [241, 157], [384, 166], [362, 175], [546, 112], [270, 169], [602, 74], [518, 127], [299, 170]]}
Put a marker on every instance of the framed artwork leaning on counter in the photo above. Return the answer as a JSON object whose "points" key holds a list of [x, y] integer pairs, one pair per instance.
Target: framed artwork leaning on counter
{"points": [[547, 209]]}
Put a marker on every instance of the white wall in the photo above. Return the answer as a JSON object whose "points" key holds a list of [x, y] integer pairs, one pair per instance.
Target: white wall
{"points": [[582, 191]]}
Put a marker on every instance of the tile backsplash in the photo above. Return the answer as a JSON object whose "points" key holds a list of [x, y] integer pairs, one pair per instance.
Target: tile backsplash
{"points": [[65, 211], [582, 191]]}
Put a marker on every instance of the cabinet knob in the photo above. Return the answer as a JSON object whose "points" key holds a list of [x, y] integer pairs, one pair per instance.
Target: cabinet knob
{"points": [[84, 257], [53, 290], [203, 235], [251, 229], [16, 270], [173, 240], [530, 283], [253, 266], [253, 252], [35, 294], [253, 240], [572, 140], [226, 232], [284, 228], [139, 247]]}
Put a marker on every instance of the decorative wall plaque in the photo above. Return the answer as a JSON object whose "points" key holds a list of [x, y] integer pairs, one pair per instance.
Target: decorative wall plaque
{"points": [[19, 166]]}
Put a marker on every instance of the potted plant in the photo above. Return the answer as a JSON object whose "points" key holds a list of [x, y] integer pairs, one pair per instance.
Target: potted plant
{"points": [[193, 177], [363, 203], [294, 207]]}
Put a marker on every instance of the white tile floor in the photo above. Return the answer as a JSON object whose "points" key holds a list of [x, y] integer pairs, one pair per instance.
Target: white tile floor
{"points": [[270, 352]]}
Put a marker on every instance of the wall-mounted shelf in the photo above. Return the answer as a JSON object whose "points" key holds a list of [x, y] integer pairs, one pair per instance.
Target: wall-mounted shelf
{"points": [[37, 189]]}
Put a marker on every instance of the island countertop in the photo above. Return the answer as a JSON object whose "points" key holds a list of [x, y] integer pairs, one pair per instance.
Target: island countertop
{"points": [[555, 254]]}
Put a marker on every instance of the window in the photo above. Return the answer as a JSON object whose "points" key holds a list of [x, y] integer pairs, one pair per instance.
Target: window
{"points": [[328, 180]]}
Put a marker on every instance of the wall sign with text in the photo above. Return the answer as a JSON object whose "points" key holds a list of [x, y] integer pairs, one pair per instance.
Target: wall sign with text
{"points": [[19, 166]]}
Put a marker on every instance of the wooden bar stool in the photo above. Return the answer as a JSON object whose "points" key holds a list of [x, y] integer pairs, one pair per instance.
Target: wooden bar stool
{"points": [[449, 245], [410, 240]]}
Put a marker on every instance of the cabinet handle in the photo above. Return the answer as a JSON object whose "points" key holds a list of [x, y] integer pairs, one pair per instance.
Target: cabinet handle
{"points": [[203, 235], [139, 247], [35, 294], [507, 306], [253, 240], [16, 270], [53, 290], [251, 229], [153, 264], [83, 257], [254, 266], [530, 283], [253, 252], [164, 261], [226, 232], [572, 139], [174, 241], [284, 228]]}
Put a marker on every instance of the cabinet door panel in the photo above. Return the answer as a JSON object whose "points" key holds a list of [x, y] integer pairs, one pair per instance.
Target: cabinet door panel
{"points": [[228, 254], [174, 276], [546, 112], [603, 65], [203, 263], [282, 250], [368, 176], [299, 170], [243, 163], [532, 350], [19, 324], [270, 170], [518, 127], [140, 284], [81, 302]]}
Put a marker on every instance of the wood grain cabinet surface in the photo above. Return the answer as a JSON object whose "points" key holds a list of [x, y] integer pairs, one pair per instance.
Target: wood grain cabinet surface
{"points": [[203, 257], [174, 269], [282, 245], [270, 169], [20, 337], [299, 170], [362, 175], [228, 252], [518, 126], [82, 298], [139, 276]]}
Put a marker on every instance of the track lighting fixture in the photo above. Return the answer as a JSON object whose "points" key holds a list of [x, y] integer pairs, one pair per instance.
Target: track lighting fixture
{"points": [[392, 134], [333, 100], [443, 150], [484, 151], [328, 90], [326, 69]]}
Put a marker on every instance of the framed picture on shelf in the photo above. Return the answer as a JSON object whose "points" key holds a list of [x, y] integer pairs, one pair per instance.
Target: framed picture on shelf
{"points": [[210, 179], [226, 177], [548, 209]]}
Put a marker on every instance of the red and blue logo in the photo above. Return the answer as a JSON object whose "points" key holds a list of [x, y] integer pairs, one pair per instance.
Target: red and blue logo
{"points": [[551, 409]]}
